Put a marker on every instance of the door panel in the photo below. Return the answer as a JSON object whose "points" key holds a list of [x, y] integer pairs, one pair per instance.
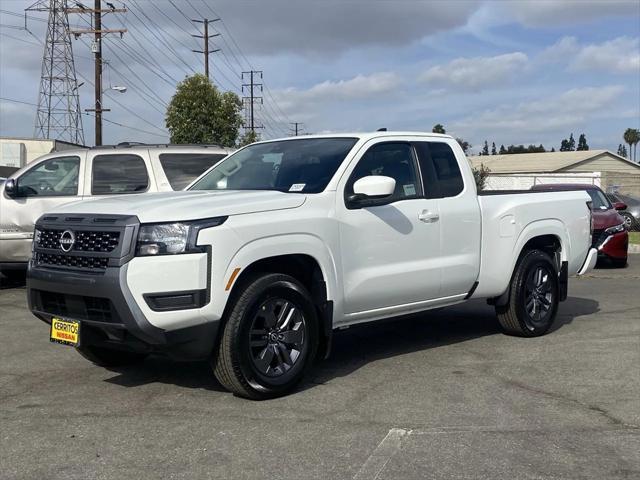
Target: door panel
{"points": [[390, 252], [389, 256], [460, 221]]}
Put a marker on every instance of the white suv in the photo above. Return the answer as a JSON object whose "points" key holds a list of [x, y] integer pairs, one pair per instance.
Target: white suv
{"points": [[62, 177]]}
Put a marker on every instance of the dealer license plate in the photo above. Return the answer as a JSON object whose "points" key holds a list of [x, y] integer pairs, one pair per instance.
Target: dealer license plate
{"points": [[65, 331]]}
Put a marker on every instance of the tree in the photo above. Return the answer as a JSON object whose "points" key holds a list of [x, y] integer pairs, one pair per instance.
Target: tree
{"points": [[200, 113], [502, 150], [248, 137], [493, 149], [438, 128], [485, 148], [582, 142], [553, 149], [622, 150], [464, 144], [480, 176], [632, 138], [568, 145]]}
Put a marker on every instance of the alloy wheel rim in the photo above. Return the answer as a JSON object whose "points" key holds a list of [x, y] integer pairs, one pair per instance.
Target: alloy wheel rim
{"points": [[277, 337], [538, 295]]}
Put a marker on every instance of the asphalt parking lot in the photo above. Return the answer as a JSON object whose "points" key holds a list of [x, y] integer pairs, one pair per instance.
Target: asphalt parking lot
{"points": [[439, 396]]}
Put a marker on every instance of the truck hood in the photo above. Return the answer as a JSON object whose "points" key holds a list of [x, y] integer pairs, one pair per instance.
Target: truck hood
{"points": [[183, 206]]}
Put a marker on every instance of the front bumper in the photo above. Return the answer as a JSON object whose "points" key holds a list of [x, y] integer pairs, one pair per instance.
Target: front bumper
{"points": [[142, 304], [615, 246], [109, 314]]}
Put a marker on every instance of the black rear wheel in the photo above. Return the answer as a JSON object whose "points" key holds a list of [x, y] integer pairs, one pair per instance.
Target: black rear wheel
{"points": [[269, 340], [533, 298]]}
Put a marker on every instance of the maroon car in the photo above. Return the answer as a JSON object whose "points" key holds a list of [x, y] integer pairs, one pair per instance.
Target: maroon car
{"points": [[610, 235]]}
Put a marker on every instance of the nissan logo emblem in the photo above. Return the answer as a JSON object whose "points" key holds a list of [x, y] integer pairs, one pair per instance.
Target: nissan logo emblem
{"points": [[67, 240]]}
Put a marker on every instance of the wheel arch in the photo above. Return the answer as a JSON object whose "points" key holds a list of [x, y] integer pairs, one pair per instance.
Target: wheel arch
{"points": [[549, 236], [305, 259]]}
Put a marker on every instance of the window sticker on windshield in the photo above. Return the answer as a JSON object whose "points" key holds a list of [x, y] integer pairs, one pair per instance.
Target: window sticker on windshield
{"points": [[409, 189], [297, 187]]}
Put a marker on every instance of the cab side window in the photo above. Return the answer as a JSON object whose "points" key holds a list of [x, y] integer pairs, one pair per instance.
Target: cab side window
{"points": [[119, 174], [393, 160], [441, 174], [52, 178]]}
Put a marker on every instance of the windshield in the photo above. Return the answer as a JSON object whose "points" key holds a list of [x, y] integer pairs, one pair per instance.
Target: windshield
{"points": [[301, 165], [599, 200]]}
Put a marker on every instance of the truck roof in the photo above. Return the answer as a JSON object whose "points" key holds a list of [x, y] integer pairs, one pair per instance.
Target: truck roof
{"points": [[365, 135]]}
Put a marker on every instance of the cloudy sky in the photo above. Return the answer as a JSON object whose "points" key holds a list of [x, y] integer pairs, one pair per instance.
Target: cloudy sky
{"points": [[509, 71]]}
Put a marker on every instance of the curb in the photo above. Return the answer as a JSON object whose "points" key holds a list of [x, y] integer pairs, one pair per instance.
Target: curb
{"points": [[633, 248]]}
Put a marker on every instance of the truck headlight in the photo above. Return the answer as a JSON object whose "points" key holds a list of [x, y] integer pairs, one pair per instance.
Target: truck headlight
{"points": [[172, 238], [616, 229]]}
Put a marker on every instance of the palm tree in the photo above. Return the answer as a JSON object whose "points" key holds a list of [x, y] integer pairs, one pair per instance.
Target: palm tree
{"points": [[636, 140], [631, 137]]}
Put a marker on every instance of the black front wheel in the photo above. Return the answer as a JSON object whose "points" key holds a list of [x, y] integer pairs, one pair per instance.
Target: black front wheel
{"points": [[269, 340], [629, 221], [533, 298]]}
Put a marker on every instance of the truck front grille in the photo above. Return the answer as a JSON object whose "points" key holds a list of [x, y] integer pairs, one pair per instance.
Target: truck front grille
{"points": [[61, 260], [86, 241]]}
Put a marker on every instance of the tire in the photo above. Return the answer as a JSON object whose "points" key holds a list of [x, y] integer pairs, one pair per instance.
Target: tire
{"points": [[108, 357], [270, 338], [533, 298], [629, 221]]}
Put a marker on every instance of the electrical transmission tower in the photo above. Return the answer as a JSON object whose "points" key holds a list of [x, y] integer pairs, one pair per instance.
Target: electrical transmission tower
{"points": [[252, 99], [58, 115], [206, 38]]}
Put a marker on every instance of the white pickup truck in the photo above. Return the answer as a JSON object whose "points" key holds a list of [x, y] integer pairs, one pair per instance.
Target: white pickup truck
{"points": [[286, 240]]}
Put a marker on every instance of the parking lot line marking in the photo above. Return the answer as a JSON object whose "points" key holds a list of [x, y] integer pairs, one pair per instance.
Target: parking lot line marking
{"points": [[385, 450]]}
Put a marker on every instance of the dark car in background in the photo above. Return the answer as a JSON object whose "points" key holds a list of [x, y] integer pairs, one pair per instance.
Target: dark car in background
{"points": [[610, 235], [631, 213]]}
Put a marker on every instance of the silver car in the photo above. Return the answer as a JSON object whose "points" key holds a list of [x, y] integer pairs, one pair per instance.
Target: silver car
{"points": [[71, 175]]}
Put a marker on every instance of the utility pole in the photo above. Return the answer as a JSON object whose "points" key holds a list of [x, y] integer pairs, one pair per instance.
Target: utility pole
{"points": [[58, 114], [252, 98], [206, 38], [296, 127], [96, 47]]}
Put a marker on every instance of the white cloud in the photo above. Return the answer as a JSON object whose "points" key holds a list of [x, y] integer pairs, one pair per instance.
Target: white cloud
{"points": [[543, 13], [476, 73], [561, 51], [358, 87], [621, 55], [568, 111]]}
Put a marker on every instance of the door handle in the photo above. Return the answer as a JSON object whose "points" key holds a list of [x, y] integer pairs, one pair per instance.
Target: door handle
{"points": [[427, 217]]}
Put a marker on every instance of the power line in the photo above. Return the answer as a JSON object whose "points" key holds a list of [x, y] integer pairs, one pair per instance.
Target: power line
{"points": [[89, 114]]}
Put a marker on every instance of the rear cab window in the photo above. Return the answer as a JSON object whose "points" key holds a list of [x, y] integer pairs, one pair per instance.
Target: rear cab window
{"points": [[119, 174], [183, 168], [439, 168]]}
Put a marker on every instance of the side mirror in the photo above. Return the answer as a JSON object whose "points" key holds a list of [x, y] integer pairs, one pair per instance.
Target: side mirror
{"points": [[371, 188], [620, 205], [10, 187]]}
